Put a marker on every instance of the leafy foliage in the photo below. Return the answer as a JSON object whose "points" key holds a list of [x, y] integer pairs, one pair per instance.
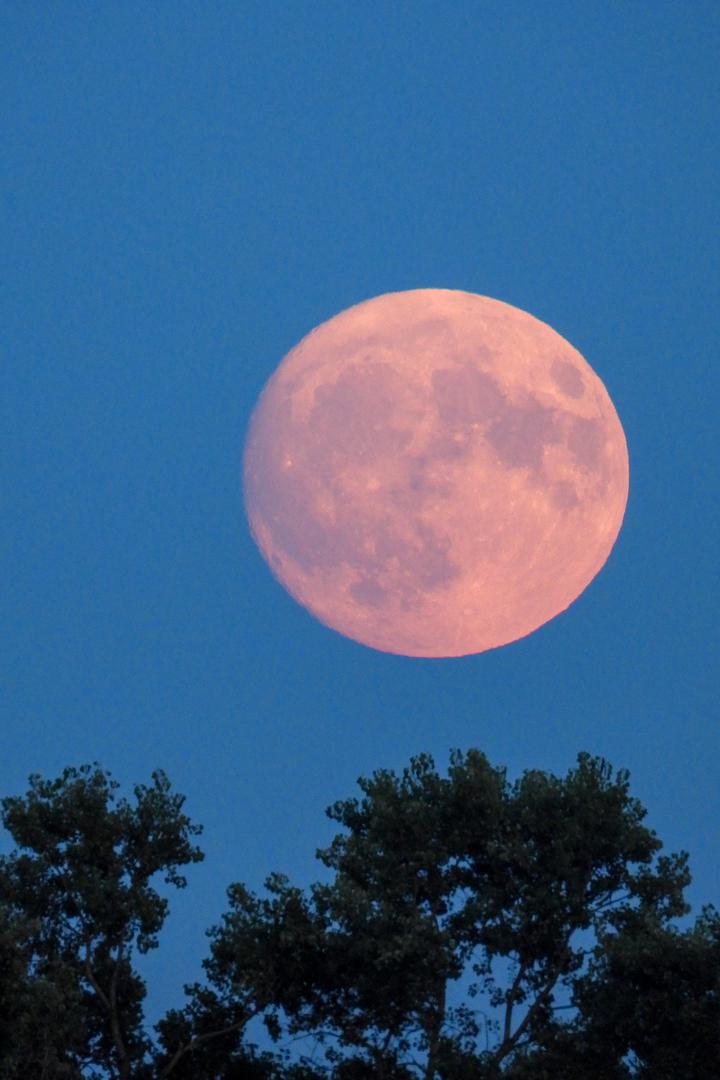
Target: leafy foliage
{"points": [[76, 900], [466, 928], [445, 883]]}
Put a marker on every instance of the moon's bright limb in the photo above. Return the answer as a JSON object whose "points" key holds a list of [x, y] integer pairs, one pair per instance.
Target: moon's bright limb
{"points": [[435, 473]]}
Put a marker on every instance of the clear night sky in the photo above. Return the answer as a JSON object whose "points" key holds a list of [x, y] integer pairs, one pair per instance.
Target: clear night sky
{"points": [[189, 188]]}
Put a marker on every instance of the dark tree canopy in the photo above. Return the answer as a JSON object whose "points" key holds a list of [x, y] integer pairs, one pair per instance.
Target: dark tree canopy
{"points": [[462, 909], [77, 902], [466, 927]]}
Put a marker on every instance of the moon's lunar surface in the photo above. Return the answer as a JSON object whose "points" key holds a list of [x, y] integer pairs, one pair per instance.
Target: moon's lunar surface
{"points": [[435, 473]]}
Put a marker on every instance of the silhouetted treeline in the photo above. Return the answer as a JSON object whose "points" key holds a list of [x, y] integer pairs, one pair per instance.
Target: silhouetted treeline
{"points": [[469, 927]]}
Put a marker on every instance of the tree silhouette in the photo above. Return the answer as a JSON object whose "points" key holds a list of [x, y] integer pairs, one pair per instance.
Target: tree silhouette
{"points": [[466, 927], [77, 903], [443, 882]]}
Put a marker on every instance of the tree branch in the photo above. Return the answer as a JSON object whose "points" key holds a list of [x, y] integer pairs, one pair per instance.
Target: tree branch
{"points": [[110, 1005], [435, 1028], [198, 1039], [510, 1040], [91, 977], [510, 1000]]}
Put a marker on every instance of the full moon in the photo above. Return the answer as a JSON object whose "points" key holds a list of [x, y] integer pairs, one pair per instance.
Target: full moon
{"points": [[435, 473]]}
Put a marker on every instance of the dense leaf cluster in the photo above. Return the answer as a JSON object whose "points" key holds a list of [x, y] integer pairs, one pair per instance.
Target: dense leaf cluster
{"points": [[466, 927]]}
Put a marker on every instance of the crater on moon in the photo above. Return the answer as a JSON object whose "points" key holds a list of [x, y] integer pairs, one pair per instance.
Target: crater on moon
{"points": [[435, 473], [567, 378]]}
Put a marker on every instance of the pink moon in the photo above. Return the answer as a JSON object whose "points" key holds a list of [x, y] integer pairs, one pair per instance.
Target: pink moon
{"points": [[435, 473]]}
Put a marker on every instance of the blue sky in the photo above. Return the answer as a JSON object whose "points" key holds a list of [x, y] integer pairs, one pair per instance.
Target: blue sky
{"points": [[186, 190]]}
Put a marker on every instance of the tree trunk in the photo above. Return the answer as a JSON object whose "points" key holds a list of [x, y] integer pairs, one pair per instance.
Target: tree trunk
{"points": [[434, 1033]]}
